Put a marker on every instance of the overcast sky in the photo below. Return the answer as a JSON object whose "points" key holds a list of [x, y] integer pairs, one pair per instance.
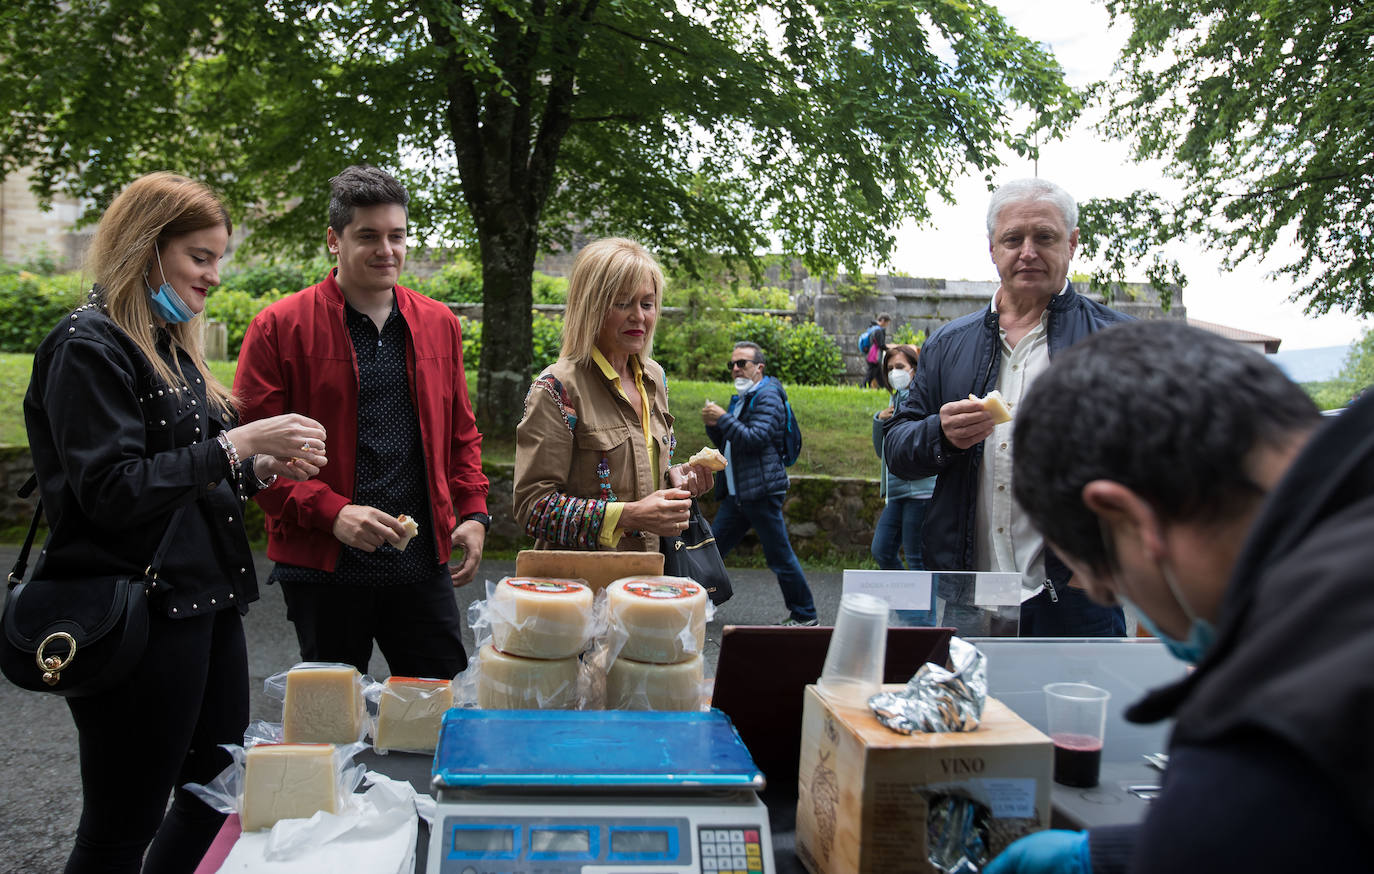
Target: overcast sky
{"points": [[954, 246]]}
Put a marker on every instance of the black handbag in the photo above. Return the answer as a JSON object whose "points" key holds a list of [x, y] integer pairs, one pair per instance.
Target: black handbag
{"points": [[693, 554], [80, 636]]}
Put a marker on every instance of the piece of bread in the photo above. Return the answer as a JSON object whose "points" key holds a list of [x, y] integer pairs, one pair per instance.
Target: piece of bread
{"points": [[709, 458], [412, 528], [995, 406]]}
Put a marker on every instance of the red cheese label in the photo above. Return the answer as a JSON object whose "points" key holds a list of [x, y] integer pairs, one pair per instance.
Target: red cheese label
{"points": [[661, 590], [547, 587]]}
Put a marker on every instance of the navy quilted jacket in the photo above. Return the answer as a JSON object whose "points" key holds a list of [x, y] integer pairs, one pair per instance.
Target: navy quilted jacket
{"points": [[754, 432], [960, 359]]}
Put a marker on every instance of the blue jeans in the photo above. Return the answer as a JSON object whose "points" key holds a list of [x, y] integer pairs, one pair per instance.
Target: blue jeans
{"points": [[900, 526], [1065, 611], [735, 518]]}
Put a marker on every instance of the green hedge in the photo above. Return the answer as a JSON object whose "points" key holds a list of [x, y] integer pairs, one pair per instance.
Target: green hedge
{"points": [[30, 305]]}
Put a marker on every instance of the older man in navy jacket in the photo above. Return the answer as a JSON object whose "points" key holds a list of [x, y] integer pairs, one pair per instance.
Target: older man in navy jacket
{"points": [[753, 484], [973, 522]]}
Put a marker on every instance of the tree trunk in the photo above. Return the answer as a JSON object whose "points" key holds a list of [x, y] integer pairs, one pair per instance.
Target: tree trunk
{"points": [[507, 348]]}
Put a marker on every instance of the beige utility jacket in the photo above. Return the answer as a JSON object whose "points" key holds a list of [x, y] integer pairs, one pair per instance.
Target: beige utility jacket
{"points": [[580, 439]]}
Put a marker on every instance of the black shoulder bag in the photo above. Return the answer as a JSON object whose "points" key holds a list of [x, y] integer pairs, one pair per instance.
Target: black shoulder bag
{"points": [[694, 554], [80, 636]]}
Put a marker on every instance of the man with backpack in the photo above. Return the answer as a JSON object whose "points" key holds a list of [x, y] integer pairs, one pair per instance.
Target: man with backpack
{"points": [[873, 343], [760, 438]]}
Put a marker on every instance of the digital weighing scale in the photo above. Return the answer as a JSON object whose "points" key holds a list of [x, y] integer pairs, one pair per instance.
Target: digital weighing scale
{"points": [[596, 792]]}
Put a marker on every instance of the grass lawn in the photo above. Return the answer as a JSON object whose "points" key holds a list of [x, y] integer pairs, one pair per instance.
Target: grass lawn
{"points": [[835, 420]]}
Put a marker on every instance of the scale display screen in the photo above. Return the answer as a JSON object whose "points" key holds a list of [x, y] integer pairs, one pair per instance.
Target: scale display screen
{"points": [[483, 840], [544, 840], [654, 841]]}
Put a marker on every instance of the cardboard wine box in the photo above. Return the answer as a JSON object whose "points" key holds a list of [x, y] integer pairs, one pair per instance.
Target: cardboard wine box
{"points": [[864, 790]]}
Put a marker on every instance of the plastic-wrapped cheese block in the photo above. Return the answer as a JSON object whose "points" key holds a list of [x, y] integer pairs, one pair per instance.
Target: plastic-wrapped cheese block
{"points": [[632, 685], [324, 705], [664, 617], [287, 781], [409, 713], [507, 682], [540, 618]]}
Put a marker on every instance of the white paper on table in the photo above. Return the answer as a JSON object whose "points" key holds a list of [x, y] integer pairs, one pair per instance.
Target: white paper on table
{"points": [[375, 833]]}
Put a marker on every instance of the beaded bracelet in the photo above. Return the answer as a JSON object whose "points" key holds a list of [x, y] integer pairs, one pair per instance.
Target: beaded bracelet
{"points": [[232, 454]]}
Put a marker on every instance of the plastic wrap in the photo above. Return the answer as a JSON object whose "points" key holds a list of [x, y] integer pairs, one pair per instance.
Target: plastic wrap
{"points": [[540, 618], [226, 792], [938, 699], [632, 685], [956, 833], [322, 702], [409, 711], [498, 680], [663, 619]]}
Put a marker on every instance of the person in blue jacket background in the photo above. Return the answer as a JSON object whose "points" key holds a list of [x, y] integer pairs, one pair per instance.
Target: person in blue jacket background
{"points": [[899, 526]]}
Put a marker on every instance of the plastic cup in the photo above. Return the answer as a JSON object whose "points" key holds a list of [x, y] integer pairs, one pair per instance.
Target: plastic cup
{"points": [[853, 669], [1078, 723]]}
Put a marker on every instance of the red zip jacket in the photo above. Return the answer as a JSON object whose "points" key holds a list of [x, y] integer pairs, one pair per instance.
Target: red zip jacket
{"points": [[297, 358]]}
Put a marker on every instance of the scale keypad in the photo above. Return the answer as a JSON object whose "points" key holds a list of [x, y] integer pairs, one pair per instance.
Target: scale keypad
{"points": [[730, 850]]}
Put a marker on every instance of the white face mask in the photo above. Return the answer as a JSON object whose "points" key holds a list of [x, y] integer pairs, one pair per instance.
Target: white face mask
{"points": [[898, 378], [743, 383]]}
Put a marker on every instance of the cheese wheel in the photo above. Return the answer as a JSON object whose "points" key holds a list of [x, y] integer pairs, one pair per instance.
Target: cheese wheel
{"points": [[632, 685], [507, 682], [663, 618], [287, 781], [540, 618], [412, 528], [995, 406], [409, 713], [323, 705]]}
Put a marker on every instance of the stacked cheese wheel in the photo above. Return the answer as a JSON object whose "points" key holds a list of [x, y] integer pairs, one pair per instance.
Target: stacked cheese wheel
{"points": [[539, 627], [663, 623]]}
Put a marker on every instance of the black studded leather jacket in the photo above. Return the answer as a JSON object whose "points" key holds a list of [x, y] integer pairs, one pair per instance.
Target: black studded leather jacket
{"points": [[117, 451]]}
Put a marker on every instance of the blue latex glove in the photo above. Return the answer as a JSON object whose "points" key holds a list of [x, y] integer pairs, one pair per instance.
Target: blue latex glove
{"points": [[1050, 852]]}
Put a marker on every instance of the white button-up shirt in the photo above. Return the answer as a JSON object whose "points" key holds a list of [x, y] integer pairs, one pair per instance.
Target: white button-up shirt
{"points": [[1006, 539]]}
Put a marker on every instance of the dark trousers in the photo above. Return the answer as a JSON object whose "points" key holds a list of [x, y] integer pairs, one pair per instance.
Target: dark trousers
{"points": [[733, 521], [143, 740], [899, 527], [417, 626], [1065, 611]]}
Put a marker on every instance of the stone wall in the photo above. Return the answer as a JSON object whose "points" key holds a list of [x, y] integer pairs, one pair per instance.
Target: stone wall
{"points": [[27, 230]]}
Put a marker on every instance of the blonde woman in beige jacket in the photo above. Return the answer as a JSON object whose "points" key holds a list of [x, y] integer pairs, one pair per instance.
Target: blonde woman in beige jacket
{"points": [[594, 448]]}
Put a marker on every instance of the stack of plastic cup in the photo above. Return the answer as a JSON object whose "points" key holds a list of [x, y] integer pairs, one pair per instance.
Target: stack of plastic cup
{"points": [[853, 669]]}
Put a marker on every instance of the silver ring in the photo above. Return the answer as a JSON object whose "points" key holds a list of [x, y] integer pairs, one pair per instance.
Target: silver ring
{"points": [[305, 447]]}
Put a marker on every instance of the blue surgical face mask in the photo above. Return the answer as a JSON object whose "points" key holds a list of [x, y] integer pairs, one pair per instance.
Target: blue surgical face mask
{"points": [[1201, 633], [167, 304]]}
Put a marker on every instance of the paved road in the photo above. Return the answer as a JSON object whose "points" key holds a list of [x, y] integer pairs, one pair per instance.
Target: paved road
{"points": [[40, 791]]}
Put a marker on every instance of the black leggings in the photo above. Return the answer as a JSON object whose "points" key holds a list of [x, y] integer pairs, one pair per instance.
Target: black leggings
{"points": [[154, 733]]}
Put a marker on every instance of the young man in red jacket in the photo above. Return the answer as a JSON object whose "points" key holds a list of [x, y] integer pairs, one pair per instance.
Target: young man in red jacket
{"points": [[381, 367]]}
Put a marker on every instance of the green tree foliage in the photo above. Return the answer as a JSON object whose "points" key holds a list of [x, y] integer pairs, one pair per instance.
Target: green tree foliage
{"points": [[1262, 111], [795, 352], [236, 309], [707, 126]]}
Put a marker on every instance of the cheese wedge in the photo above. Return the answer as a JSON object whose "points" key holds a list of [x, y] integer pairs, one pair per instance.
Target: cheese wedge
{"points": [[412, 528], [709, 458], [409, 713], [995, 406], [597, 569], [287, 781], [323, 705]]}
